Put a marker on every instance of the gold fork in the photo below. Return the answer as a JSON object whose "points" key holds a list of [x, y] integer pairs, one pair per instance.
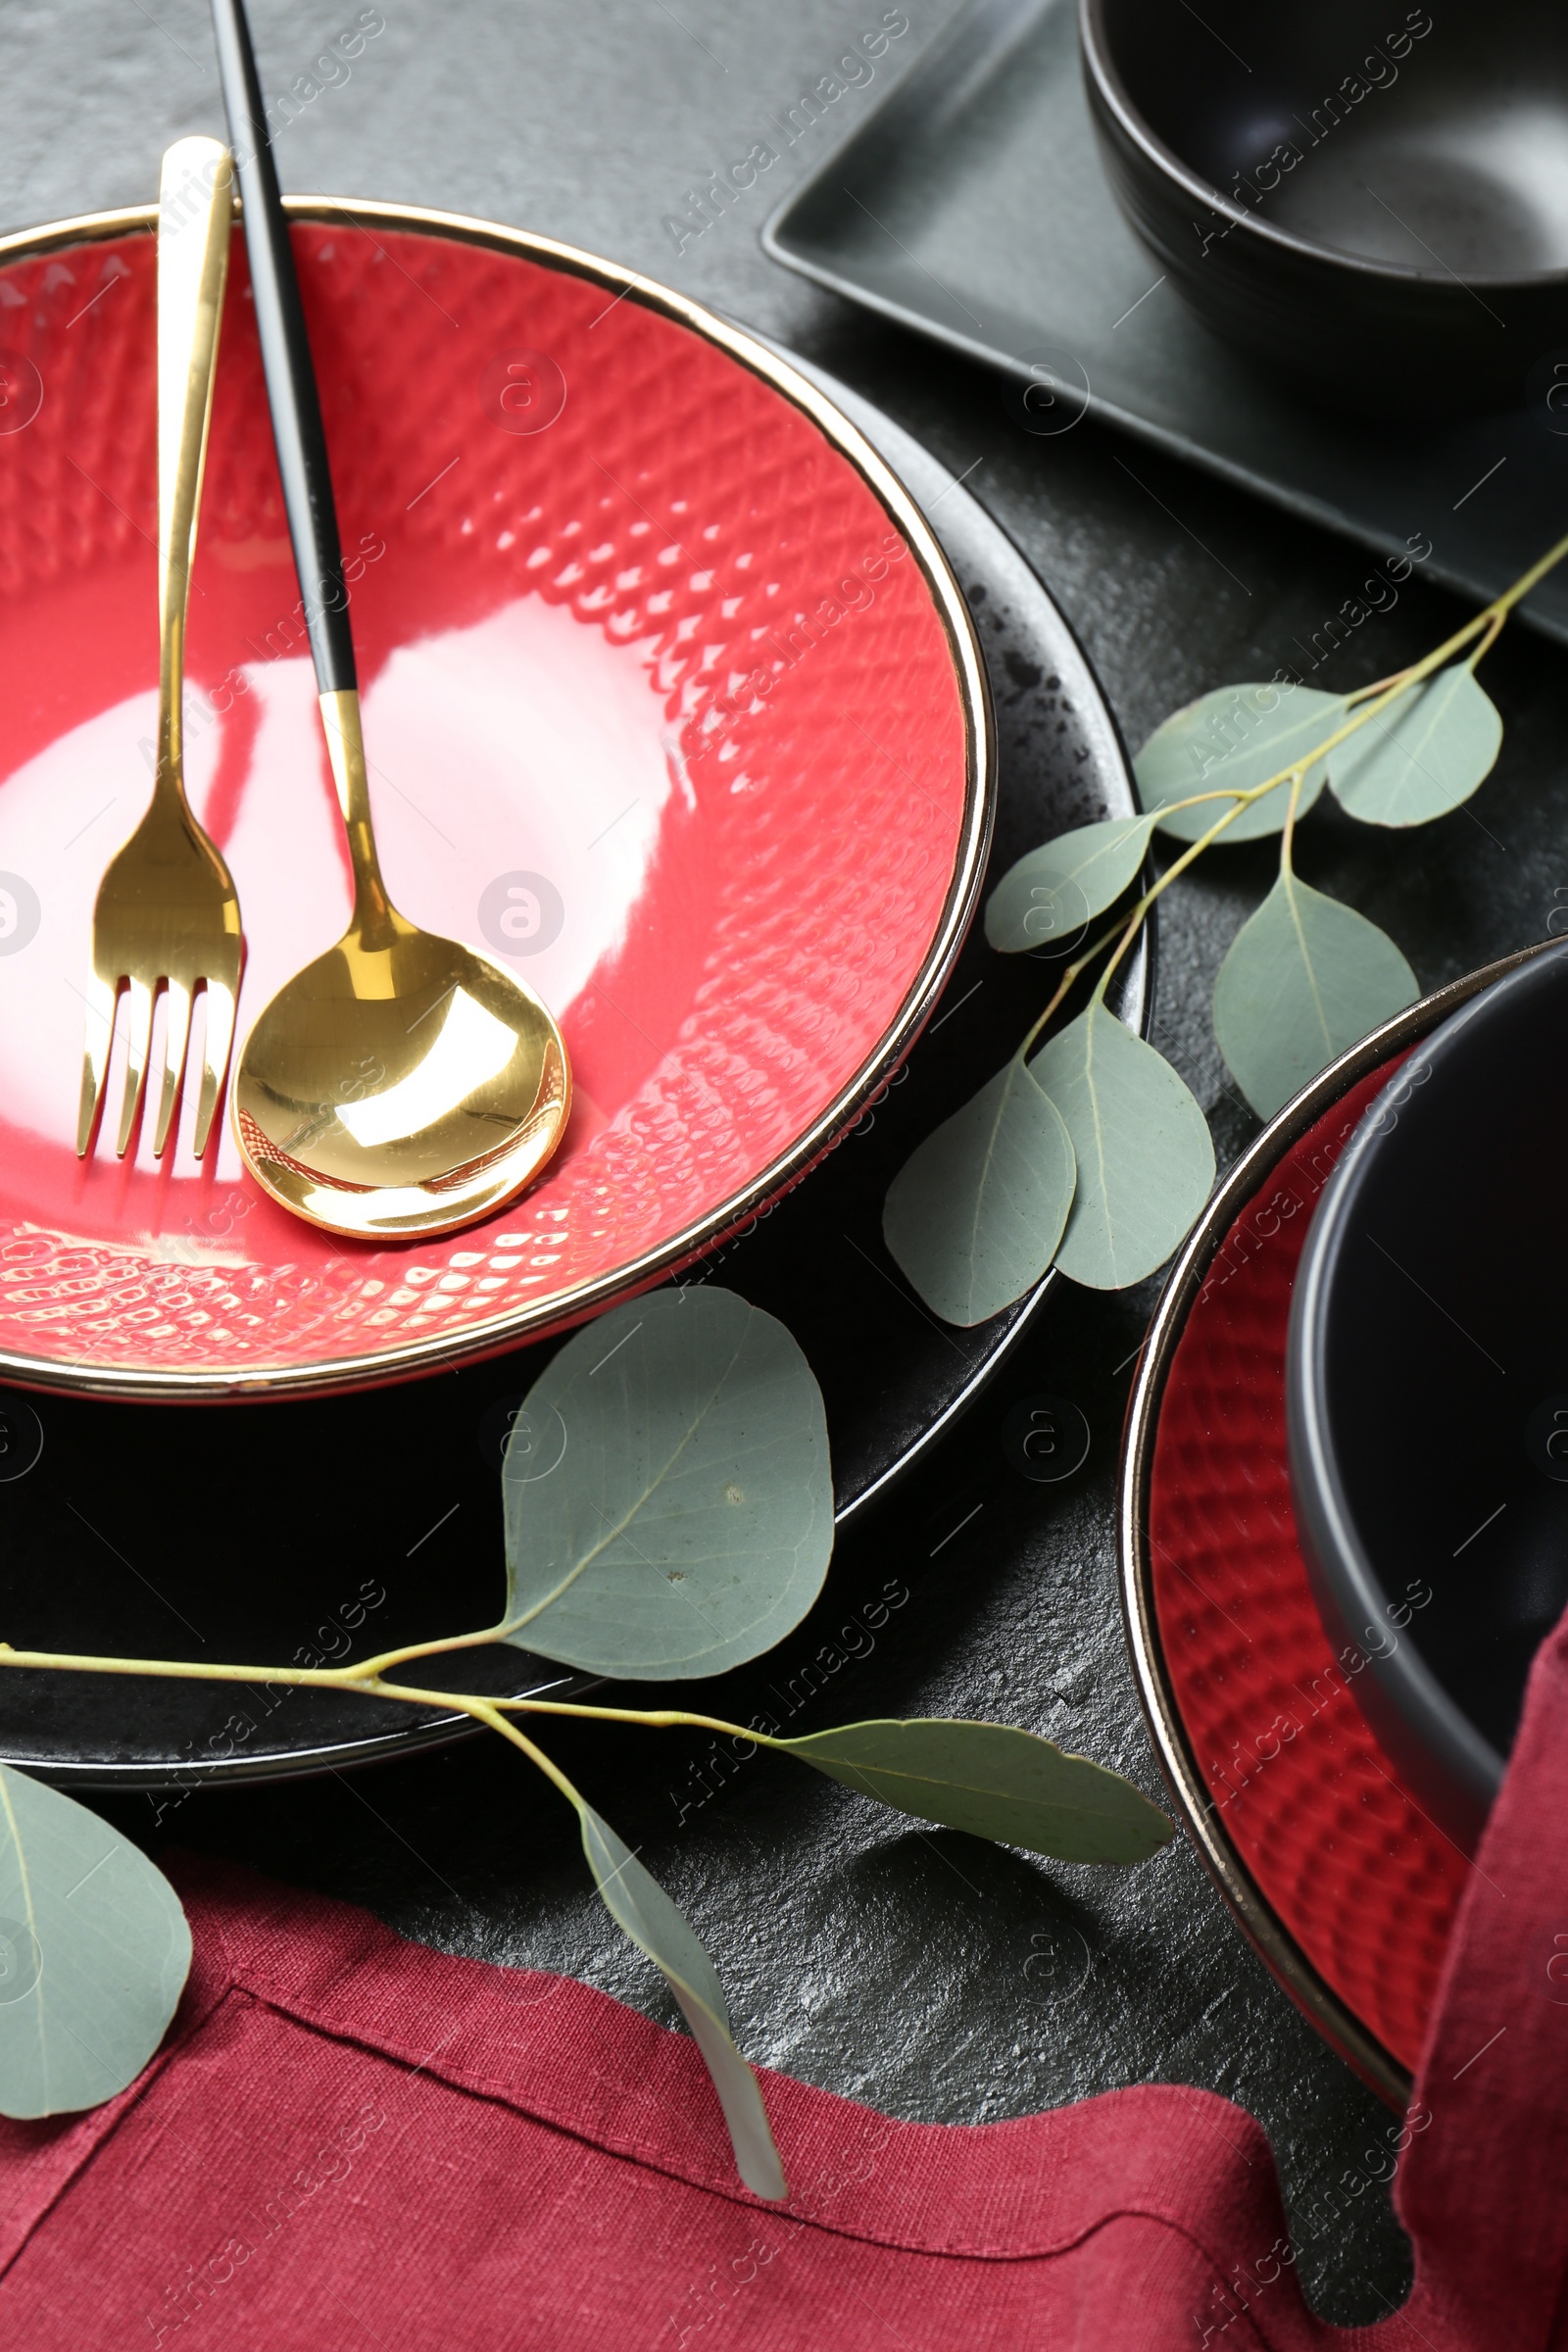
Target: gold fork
{"points": [[167, 915]]}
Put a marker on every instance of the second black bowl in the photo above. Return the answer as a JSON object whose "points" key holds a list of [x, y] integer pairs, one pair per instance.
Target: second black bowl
{"points": [[1373, 199], [1427, 1389]]}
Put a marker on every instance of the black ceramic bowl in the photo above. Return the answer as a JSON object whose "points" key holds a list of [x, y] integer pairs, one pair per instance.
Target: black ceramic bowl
{"points": [[1373, 198], [1427, 1389]]}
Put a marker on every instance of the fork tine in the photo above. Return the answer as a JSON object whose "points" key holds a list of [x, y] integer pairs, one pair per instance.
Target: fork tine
{"points": [[139, 1037], [98, 1036], [217, 1046], [176, 1034]]}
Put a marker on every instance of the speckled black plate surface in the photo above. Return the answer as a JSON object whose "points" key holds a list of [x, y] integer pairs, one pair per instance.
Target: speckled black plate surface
{"points": [[315, 1531]]}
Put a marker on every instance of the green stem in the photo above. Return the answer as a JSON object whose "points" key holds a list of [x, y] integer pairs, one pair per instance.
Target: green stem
{"points": [[1064, 984], [431, 1649], [1488, 620], [1288, 834], [317, 1678], [1486, 624], [1178, 865], [368, 1683], [1531, 579], [1361, 694], [655, 1719], [1238, 801], [485, 1712], [1494, 632]]}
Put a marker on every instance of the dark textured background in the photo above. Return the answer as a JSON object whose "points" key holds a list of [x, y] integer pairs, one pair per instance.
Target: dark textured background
{"points": [[926, 1973]]}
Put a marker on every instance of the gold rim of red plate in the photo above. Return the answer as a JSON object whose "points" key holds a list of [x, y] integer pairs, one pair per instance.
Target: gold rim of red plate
{"points": [[441, 1353], [1269, 1935]]}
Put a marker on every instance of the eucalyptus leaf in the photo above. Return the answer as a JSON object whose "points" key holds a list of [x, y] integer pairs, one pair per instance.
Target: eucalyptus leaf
{"points": [[974, 1215], [1233, 740], [639, 1906], [1050, 893], [1305, 978], [994, 1781], [686, 1522], [94, 1951], [1422, 756], [1146, 1162]]}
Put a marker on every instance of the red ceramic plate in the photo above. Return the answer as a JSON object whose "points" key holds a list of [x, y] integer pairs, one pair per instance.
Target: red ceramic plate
{"points": [[670, 698], [1343, 1881]]}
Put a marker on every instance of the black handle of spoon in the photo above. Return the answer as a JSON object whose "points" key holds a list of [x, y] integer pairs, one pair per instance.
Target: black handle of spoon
{"points": [[291, 392]]}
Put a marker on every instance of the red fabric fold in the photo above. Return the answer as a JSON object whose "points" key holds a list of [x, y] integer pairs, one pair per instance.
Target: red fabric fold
{"points": [[348, 2138]]}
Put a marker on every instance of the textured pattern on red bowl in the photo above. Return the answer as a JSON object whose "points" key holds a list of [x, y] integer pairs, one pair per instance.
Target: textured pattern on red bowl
{"points": [[667, 652], [1360, 1877]]}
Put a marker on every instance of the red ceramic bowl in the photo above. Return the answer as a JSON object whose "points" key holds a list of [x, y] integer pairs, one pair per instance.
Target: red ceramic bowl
{"points": [[670, 698], [1329, 1860]]}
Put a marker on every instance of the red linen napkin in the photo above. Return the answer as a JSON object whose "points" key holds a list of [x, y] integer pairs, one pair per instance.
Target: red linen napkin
{"points": [[349, 2140]]}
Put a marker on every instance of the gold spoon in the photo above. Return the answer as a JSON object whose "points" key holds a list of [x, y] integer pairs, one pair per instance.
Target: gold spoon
{"points": [[400, 1083]]}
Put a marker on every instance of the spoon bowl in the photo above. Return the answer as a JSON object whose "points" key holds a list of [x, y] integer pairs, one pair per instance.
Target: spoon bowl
{"points": [[400, 1089]]}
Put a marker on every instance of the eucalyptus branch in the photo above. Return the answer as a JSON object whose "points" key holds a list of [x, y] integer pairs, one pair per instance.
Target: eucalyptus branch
{"points": [[1100, 1168], [492, 1713], [701, 1361], [368, 1680], [1486, 625]]}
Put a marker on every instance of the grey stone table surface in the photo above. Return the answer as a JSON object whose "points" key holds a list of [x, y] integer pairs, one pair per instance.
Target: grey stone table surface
{"points": [[925, 1974]]}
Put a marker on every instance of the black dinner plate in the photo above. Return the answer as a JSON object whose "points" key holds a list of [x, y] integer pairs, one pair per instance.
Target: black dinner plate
{"points": [[321, 1530]]}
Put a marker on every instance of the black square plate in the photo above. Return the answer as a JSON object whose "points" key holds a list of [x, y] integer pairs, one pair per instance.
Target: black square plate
{"points": [[971, 206]]}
